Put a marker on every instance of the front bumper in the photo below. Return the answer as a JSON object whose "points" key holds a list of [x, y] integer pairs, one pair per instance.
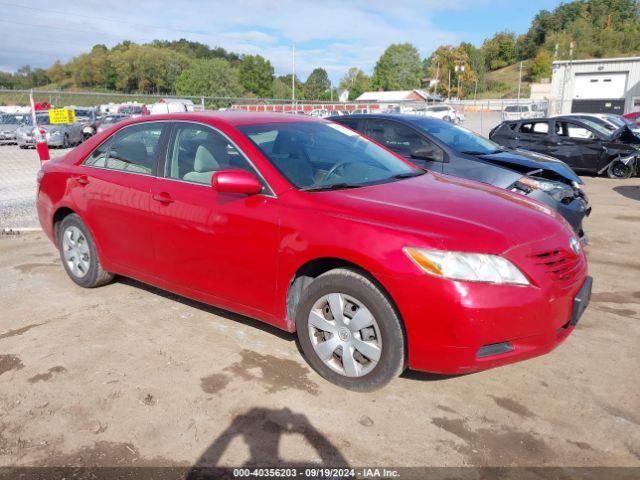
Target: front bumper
{"points": [[573, 212], [7, 137], [450, 324]]}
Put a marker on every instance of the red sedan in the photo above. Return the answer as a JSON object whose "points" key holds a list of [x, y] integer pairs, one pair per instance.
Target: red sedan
{"points": [[306, 225]]}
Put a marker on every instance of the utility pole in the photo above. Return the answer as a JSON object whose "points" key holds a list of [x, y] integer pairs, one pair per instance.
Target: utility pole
{"points": [[475, 92], [293, 77], [519, 83], [449, 89]]}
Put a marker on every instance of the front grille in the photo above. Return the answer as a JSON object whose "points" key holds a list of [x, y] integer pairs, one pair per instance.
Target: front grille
{"points": [[562, 265]]}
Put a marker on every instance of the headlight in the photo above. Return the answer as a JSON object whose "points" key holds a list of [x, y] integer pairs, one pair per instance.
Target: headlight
{"points": [[472, 267], [557, 190]]}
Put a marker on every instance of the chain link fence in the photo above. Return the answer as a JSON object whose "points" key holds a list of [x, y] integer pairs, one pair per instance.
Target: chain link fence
{"points": [[19, 167]]}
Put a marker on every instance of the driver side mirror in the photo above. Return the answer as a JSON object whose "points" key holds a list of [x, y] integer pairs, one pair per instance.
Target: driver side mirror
{"points": [[236, 181], [428, 152]]}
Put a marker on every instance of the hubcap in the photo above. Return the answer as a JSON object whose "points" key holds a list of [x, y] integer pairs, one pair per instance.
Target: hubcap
{"points": [[345, 335], [76, 251]]}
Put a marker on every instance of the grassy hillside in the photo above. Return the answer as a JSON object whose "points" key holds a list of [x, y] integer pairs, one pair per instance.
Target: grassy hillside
{"points": [[503, 83]]}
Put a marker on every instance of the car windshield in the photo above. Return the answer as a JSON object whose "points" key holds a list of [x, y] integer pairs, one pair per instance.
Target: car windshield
{"points": [[515, 108], [113, 119], [597, 127], [458, 138], [130, 109], [323, 156], [9, 119]]}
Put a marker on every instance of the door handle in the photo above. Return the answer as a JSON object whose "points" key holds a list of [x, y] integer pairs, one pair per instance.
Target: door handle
{"points": [[82, 179], [163, 197]]}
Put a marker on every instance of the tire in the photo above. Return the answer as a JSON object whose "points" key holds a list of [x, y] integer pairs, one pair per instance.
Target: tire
{"points": [[384, 334], [78, 253], [619, 170], [65, 141], [446, 118]]}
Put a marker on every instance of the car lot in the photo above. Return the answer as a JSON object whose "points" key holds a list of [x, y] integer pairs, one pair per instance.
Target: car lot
{"points": [[131, 375]]}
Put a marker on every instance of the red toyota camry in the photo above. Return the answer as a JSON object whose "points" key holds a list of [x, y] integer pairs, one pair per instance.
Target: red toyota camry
{"points": [[306, 225]]}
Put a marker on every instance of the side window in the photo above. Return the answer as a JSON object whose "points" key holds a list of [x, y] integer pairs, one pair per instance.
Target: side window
{"points": [[349, 122], [571, 130], [197, 151], [132, 149], [535, 127], [396, 137]]}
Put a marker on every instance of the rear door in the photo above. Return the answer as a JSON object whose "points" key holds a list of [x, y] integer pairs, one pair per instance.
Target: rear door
{"points": [[113, 189], [220, 245], [532, 135]]}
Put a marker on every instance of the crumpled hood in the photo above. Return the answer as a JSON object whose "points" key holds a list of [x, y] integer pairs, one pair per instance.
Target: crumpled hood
{"points": [[448, 213], [532, 161]]}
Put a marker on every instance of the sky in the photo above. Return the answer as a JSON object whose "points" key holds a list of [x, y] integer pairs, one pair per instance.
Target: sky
{"points": [[332, 34]]}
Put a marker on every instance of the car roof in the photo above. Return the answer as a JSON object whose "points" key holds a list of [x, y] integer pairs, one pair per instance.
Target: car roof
{"points": [[404, 118], [230, 117]]}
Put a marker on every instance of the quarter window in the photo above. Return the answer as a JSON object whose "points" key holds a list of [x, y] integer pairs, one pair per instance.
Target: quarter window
{"points": [[535, 127], [198, 151], [132, 149], [572, 130]]}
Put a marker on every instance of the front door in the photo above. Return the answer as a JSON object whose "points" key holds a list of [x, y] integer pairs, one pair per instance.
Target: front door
{"points": [[577, 146], [218, 244]]}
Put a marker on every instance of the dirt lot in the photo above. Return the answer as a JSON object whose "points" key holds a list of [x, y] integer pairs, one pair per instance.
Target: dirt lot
{"points": [[130, 375]]}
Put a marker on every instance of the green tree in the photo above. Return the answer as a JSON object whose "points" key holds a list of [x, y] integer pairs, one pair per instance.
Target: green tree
{"points": [[541, 66], [356, 82], [256, 75], [500, 50], [211, 77], [399, 68], [57, 72], [317, 84]]}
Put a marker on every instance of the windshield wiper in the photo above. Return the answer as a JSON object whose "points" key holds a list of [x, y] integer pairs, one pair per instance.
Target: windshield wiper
{"points": [[332, 186], [412, 173]]}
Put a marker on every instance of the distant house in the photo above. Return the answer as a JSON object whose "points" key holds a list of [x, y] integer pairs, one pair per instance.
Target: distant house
{"points": [[397, 96]]}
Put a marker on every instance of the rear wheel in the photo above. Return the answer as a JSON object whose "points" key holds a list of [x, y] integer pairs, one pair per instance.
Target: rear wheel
{"points": [[617, 169], [65, 141], [349, 331], [78, 254], [446, 118]]}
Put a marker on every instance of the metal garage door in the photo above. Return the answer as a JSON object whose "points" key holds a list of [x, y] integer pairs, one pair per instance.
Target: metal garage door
{"points": [[598, 106], [591, 86]]}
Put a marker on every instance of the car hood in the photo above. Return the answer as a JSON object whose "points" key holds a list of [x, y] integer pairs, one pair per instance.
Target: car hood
{"points": [[8, 127], [525, 161], [448, 213]]}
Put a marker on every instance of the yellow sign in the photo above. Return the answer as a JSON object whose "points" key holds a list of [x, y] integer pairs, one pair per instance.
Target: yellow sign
{"points": [[62, 115]]}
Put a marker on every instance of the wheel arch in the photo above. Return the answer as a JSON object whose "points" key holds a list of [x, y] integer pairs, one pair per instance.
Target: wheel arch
{"points": [[315, 267]]}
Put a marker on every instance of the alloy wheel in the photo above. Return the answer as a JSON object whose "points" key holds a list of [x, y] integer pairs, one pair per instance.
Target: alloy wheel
{"points": [[76, 251], [345, 334]]}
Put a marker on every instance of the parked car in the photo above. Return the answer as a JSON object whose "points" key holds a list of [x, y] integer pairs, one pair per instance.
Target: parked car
{"points": [[109, 120], [443, 112], [134, 109], [306, 225], [63, 135], [633, 117], [88, 120], [319, 113], [445, 148], [9, 123], [517, 112], [610, 121], [583, 144]]}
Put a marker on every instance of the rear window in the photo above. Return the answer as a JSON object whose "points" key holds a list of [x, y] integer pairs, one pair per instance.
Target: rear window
{"points": [[516, 108]]}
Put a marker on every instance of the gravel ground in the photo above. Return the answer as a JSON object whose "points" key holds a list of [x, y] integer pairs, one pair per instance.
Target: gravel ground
{"points": [[129, 375]]}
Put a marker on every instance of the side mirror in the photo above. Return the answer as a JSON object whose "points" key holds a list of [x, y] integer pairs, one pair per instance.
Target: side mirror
{"points": [[236, 181], [428, 153]]}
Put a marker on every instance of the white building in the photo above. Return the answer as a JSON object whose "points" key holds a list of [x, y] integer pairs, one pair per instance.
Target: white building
{"points": [[598, 85]]}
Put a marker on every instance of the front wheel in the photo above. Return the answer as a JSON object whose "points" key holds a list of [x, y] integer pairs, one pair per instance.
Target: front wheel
{"points": [[349, 331], [79, 255], [617, 169]]}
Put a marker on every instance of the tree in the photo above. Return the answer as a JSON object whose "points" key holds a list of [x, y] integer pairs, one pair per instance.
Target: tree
{"points": [[399, 68], [356, 82], [57, 72], [443, 62], [500, 50], [256, 75], [541, 66], [317, 84], [211, 77]]}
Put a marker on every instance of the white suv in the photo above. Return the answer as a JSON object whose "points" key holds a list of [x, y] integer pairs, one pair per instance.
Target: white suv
{"points": [[518, 112], [443, 112]]}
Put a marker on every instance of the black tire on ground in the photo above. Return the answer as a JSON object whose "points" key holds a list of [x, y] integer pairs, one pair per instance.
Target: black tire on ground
{"points": [[96, 275], [23, 147], [446, 118], [354, 284], [65, 142], [617, 169]]}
